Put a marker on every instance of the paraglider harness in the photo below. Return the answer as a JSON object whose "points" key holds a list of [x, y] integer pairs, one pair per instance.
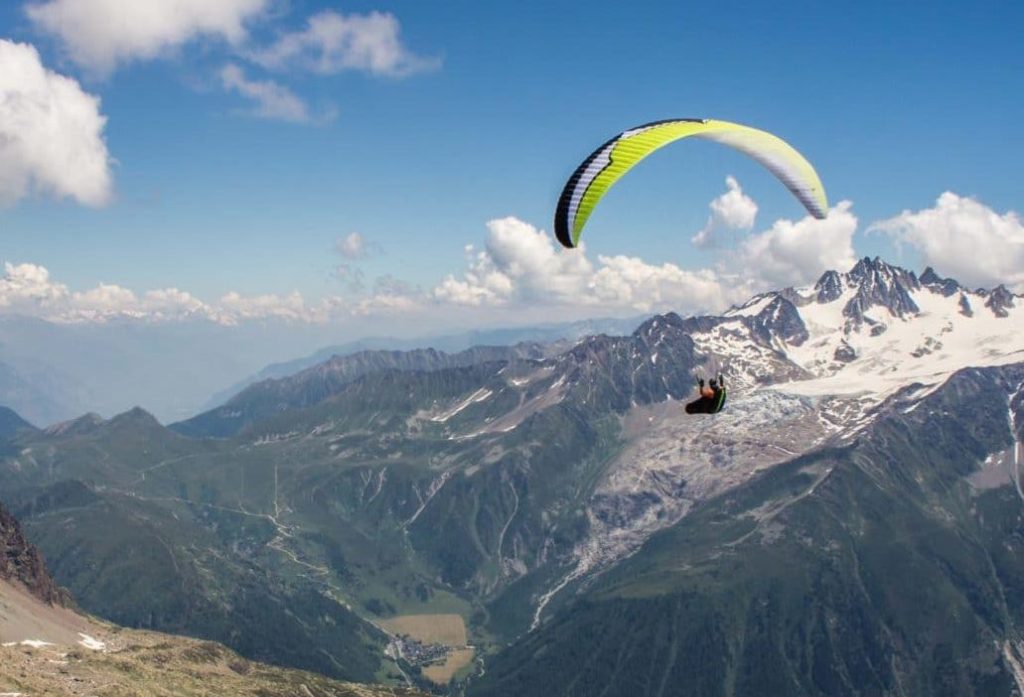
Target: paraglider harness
{"points": [[708, 404]]}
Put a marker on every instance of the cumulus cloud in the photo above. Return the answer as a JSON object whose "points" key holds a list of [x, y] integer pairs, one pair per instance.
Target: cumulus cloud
{"points": [[273, 101], [733, 210], [28, 289], [241, 307], [333, 43], [520, 264], [965, 239], [28, 286], [100, 34], [385, 302], [51, 133], [793, 253], [630, 282]]}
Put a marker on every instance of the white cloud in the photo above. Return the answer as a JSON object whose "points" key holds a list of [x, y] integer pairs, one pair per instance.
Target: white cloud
{"points": [[386, 303], [733, 210], [100, 34], [273, 101], [630, 282], [239, 307], [520, 264], [333, 42], [28, 289], [51, 133], [354, 246], [28, 286], [793, 253], [964, 239]]}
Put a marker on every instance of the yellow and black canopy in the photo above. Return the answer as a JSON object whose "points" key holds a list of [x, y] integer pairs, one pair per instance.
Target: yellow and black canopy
{"points": [[592, 179]]}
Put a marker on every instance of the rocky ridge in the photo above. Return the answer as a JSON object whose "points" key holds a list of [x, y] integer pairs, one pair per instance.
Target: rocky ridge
{"points": [[23, 563]]}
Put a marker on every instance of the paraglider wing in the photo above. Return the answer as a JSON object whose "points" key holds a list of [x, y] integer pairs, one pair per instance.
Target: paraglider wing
{"points": [[592, 179]]}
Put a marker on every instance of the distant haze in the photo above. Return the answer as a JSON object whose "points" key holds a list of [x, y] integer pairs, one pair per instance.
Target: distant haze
{"points": [[50, 372]]}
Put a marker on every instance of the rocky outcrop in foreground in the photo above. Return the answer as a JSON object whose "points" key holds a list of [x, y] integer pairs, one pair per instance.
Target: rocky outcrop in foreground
{"points": [[20, 561]]}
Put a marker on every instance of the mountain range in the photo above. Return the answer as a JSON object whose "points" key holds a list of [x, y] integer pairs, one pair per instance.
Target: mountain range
{"points": [[47, 647], [447, 343], [53, 371], [849, 524]]}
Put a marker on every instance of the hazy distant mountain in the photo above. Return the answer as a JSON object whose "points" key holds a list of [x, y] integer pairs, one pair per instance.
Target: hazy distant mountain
{"points": [[268, 398], [548, 333], [851, 518], [11, 423], [51, 372], [42, 395]]}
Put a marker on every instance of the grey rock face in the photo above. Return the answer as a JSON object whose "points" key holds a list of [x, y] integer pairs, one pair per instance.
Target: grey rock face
{"points": [[945, 286], [845, 353], [965, 306], [999, 300], [829, 287], [781, 319], [879, 284], [20, 561]]}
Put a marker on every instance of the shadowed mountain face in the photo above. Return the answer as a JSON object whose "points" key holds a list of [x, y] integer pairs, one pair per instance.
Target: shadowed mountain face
{"points": [[397, 491], [891, 565], [11, 424], [48, 648], [21, 562], [544, 494]]}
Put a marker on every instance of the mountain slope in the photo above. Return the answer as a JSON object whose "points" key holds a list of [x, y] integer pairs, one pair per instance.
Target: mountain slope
{"points": [[168, 562], [146, 664], [11, 423], [455, 343], [265, 399], [507, 492], [891, 565], [48, 648], [21, 562]]}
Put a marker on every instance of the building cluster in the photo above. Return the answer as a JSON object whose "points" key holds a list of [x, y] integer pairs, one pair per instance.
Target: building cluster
{"points": [[415, 652]]}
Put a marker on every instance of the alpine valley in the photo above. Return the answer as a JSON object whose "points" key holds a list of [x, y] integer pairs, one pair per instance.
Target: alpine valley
{"points": [[850, 524]]}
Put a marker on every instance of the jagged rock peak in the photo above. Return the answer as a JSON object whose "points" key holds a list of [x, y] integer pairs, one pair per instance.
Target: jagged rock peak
{"points": [[22, 562], [781, 319], [658, 325], [929, 276], [945, 286], [999, 300], [878, 270], [829, 286], [880, 284]]}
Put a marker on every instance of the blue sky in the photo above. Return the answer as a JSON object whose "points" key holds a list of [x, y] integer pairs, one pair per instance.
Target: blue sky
{"points": [[894, 104]]}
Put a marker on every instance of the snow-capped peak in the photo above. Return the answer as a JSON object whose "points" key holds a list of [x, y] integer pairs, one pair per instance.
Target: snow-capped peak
{"points": [[870, 330]]}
